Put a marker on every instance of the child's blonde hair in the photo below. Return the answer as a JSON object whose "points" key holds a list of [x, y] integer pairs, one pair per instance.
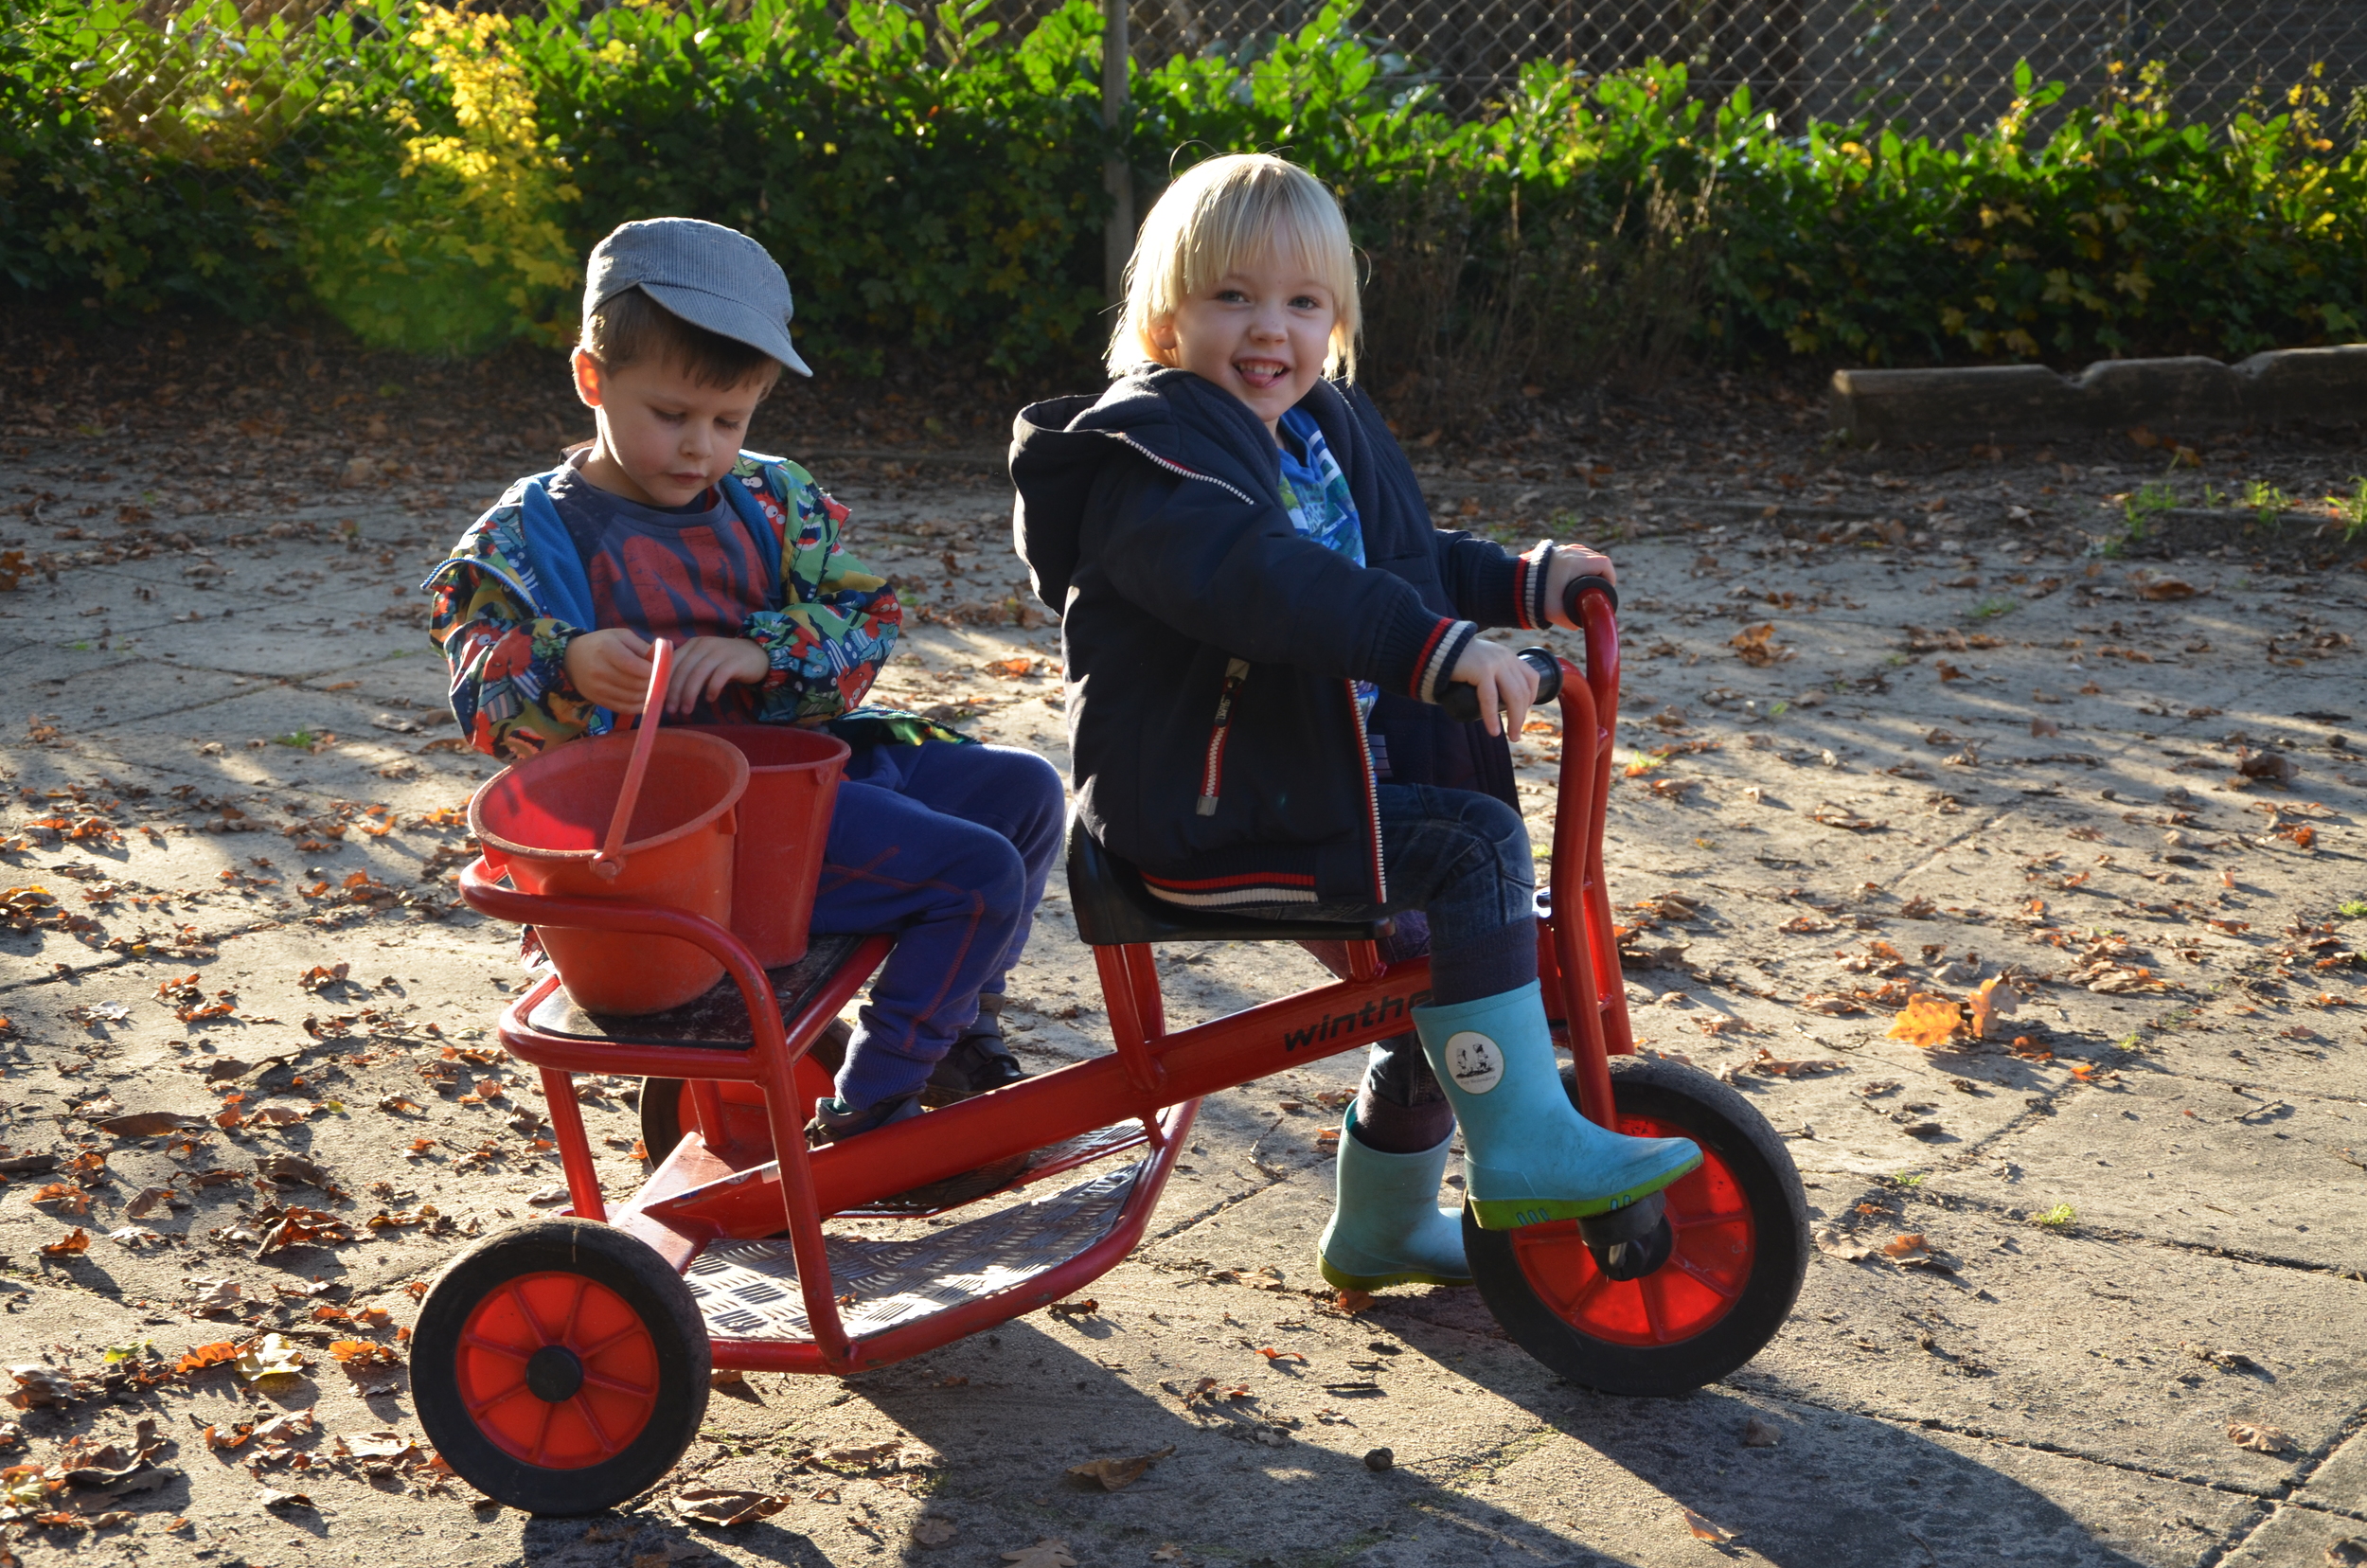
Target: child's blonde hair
{"points": [[1218, 214]]}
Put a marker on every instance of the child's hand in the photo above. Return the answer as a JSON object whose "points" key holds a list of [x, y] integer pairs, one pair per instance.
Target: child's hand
{"points": [[1502, 679], [1571, 562], [704, 665], [612, 668]]}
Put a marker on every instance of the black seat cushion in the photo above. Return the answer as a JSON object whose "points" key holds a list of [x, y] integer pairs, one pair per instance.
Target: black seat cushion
{"points": [[716, 1021], [1115, 909]]}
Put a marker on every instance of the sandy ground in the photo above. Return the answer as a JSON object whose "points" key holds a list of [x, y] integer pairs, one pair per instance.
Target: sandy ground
{"points": [[1991, 729]]}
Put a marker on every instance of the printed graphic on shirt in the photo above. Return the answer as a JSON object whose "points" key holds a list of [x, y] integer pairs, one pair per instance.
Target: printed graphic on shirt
{"points": [[1316, 495]]}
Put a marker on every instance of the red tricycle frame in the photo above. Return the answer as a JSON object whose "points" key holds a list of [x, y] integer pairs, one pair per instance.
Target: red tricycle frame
{"points": [[735, 1181]]}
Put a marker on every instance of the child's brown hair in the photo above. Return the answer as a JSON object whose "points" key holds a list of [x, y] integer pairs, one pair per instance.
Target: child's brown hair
{"points": [[631, 326]]}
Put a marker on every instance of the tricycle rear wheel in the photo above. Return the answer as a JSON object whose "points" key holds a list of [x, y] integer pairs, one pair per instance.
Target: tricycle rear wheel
{"points": [[559, 1366], [1740, 1251]]}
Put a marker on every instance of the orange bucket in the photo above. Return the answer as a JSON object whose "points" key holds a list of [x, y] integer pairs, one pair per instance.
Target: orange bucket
{"points": [[784, 819], [541, 823]]}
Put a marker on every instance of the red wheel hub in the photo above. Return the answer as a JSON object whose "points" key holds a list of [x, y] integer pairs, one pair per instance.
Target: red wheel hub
{"points": [[1699, 1285], [558, 1370]]}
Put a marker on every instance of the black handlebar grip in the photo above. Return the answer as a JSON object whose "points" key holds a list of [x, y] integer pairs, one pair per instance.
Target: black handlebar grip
{"points": [[1460, 702], [1570, 599]]}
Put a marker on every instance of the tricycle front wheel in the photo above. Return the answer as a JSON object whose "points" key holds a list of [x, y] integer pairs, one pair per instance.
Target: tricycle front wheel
{"points": [[559, 1366], [1739, 1252]]}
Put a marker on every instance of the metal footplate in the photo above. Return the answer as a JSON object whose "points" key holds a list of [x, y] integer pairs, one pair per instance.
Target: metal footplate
{"points": [[748, 1289]]}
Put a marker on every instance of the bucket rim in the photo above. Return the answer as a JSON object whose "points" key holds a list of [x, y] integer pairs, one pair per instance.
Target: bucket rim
{"points": [[840, 754], [616, 740]]}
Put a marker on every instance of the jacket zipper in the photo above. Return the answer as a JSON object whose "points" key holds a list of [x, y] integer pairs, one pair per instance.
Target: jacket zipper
{"points": [[1372, 795], [1212, 771], [1176, 468]]}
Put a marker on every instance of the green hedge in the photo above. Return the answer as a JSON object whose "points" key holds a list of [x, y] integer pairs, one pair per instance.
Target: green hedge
{"points": [[432, 178]]}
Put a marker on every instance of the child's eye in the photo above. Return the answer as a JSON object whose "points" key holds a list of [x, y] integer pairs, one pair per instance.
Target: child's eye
{"points": [[1231, 297], [1306, 302]]}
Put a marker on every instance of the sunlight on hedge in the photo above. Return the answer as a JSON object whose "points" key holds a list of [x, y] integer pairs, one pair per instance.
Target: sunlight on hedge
{"points": [[463, 247], [931, 186]]}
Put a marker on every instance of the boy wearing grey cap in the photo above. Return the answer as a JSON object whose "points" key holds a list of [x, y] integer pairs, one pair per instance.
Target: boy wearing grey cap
{"points": [[663, 525]]}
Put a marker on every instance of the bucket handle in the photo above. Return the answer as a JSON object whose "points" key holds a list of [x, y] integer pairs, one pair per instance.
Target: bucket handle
{"points": [[610, 863]]}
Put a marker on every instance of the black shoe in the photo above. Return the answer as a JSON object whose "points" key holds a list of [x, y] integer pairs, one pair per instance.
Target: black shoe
{"points": [[979, 1060], [835, 1122]]}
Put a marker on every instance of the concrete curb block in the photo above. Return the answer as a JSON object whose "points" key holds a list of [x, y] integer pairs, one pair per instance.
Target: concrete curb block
{"points": [[2025, 401]]}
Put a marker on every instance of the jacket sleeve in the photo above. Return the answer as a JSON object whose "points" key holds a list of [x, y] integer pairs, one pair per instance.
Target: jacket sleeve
{"points": [[839, 620], [1230, 571], [508, 671], [1491, 585]]}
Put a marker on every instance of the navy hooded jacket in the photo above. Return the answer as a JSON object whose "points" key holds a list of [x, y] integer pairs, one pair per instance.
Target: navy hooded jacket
{"points": [[1211, 651]]}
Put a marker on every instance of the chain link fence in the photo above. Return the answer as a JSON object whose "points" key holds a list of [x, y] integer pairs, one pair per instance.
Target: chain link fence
{"points": [[1932, 67]]}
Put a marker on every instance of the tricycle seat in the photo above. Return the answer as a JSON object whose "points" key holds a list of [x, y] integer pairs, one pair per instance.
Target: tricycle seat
{"points": [[1115, 909], [715, 1020]]}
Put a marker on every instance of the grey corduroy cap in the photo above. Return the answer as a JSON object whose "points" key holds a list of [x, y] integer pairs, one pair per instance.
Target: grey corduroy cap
{"points": [[709, 275]]}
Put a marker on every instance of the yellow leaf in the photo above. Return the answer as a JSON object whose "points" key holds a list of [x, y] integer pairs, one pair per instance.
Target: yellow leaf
{"points": [[1928, 1022]]}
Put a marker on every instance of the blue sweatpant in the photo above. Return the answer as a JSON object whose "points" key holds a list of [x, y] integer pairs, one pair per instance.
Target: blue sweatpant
{"points": [[948, 847]]}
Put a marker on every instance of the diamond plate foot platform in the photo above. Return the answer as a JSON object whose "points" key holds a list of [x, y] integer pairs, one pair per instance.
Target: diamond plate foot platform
{"points": [[748, 1289]]}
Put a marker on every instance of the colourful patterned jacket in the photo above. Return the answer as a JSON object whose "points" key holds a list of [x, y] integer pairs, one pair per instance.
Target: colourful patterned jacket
{"points": [[513, 593]]}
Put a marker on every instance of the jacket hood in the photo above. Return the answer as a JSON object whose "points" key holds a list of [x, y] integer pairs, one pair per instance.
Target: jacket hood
{"points": [[1171, 418]]}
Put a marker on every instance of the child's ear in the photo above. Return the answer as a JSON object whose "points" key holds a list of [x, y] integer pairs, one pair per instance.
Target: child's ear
{"points": [[587, 371], [1159, 339]]}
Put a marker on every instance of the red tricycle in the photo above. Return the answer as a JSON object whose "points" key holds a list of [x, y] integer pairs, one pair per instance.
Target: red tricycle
{"points": [[562, 1366]]}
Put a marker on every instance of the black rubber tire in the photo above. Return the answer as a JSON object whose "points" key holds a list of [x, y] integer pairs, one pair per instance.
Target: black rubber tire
{"points": [[1720, 1120], [663, 1116], [654, 1292]]}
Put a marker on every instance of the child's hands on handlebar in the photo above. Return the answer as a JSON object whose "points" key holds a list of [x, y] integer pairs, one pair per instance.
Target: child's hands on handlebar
{"points": [[612, 668], [1569, 562], [1502, 679]]}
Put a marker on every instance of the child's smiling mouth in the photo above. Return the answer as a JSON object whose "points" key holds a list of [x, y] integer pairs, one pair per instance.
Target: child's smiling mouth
{"points": [[1261, 373]]}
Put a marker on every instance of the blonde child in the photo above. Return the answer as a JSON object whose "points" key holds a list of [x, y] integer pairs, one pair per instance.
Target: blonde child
{"points": [[1257, 620]]}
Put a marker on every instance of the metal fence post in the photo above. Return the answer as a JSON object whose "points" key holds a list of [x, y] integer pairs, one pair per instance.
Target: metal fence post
{"points": [[1117, 174]]}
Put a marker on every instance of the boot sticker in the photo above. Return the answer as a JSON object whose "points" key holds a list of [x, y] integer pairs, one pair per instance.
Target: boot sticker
{"points": [[1474, 1061]]}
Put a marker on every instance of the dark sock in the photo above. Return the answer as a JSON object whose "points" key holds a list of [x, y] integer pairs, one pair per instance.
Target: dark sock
{"points": [[1504, 960], [1399, 1108]]}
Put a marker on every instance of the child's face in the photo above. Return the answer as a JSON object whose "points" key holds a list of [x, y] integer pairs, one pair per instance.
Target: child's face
{"points": [[1261, 332], [662, 437]]}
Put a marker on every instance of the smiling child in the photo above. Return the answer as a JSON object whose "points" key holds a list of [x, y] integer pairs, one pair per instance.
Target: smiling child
{"points": [[1257, 617]]}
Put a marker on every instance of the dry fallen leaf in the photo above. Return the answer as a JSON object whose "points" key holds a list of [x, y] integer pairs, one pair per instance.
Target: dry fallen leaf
{"points": [[1904, 1246], [1990, 1000], [1703, 1530], [930, 1530], [146, 1124], [1757, 1433], [2165, 588], [1756, 646], [1043, 1554], [2260, 1440], [1112, 1474], [75, 1242], [271, 1356], [720, 1505], [208, 1355], [1927, 1020], [65, 1196]]}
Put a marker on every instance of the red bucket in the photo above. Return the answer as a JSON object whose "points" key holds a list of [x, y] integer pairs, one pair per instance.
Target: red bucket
{"points": [[784, 818], [542, 821]]}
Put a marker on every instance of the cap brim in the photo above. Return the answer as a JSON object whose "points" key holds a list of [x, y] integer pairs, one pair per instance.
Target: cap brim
{"points": [[730, 318]]}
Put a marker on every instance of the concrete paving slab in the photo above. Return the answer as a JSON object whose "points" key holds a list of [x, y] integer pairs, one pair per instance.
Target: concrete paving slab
{"points": [[2072, 1344], [2210, 1165]]}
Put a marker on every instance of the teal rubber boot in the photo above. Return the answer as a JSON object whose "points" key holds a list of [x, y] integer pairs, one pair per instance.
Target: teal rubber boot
{"points": [[1528, 1155], [1386, 1227]]}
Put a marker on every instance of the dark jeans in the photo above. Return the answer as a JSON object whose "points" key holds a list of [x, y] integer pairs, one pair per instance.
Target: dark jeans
{"points": [[1461, 883], [948, 847], [1459, 872]]}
